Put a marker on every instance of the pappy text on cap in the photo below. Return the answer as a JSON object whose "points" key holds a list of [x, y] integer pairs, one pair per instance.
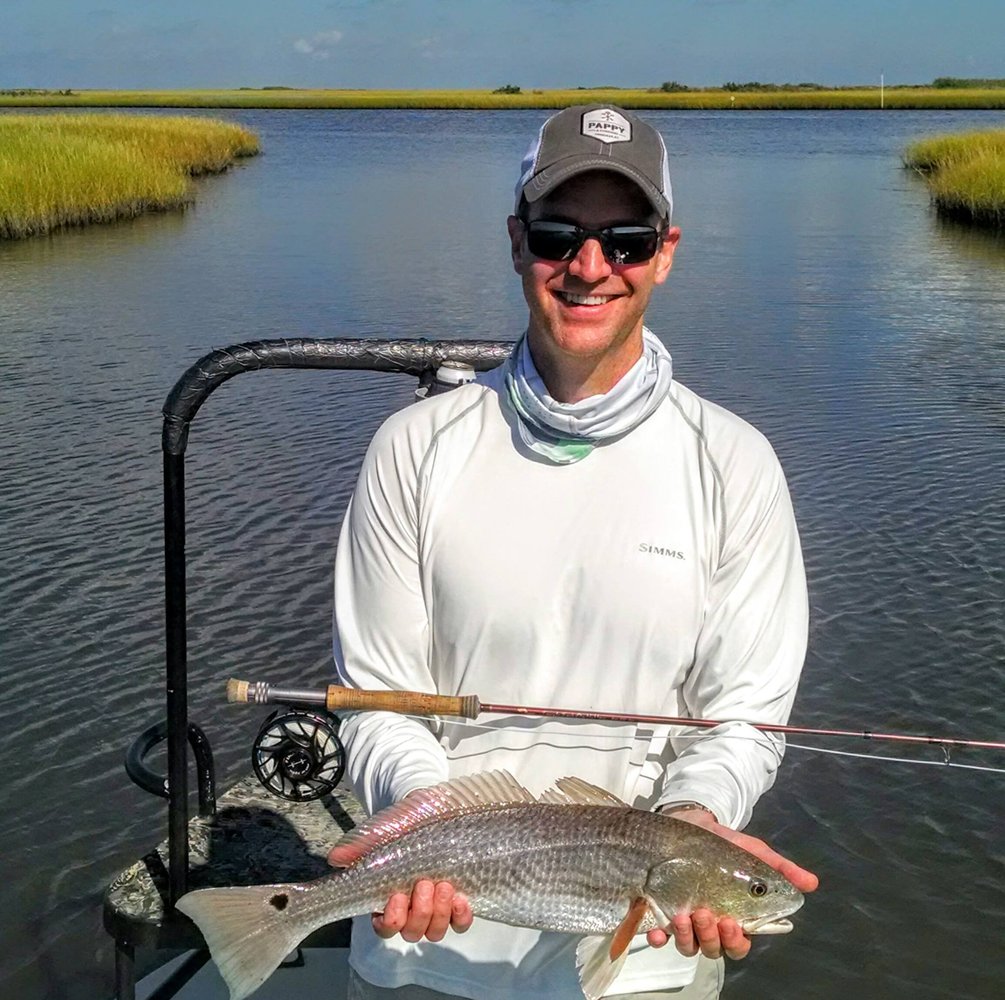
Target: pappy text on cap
{"points": [[607, 126]]}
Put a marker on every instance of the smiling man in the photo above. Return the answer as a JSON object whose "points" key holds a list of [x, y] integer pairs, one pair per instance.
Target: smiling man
{"points": [[579, 530], [586, 307]]}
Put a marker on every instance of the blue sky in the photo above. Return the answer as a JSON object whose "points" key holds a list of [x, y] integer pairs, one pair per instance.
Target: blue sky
{"points": [[486, 43]]}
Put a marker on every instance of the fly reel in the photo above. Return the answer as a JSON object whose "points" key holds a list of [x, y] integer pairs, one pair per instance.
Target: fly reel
{"points": [[298, 755]]}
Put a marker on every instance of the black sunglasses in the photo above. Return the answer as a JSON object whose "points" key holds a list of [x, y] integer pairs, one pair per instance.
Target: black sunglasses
{"points": [[621, 244]]}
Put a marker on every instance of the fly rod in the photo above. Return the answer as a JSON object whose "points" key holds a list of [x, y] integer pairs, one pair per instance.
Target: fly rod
{"points": [[336, 698]]}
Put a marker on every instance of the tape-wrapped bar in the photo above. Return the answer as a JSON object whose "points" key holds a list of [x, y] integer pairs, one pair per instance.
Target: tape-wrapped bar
{"points": [[403, 356], [189, 393]]}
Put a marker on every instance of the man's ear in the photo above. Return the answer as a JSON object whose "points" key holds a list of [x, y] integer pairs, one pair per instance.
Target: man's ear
{"points": [[515, 228], [664, 256]]}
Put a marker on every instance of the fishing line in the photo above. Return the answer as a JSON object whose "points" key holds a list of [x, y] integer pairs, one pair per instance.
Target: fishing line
{"points": [[900, 760], [758, 738]]}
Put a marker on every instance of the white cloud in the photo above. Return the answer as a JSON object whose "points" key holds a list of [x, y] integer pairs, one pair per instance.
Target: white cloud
{"points": [[428, 48], [318, 46]]}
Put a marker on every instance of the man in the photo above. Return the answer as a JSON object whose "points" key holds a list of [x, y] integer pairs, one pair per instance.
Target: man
{"points": [[574, 529]]}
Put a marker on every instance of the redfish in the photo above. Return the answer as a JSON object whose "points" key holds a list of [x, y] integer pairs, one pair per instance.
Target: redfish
{"points": [[576, 860]]}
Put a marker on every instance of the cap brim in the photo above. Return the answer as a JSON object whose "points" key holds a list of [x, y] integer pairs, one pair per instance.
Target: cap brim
{"points": [[547, 180]]}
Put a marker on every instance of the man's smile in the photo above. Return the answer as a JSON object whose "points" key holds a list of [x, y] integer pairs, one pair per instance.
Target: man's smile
{"points": [[575, 299]]}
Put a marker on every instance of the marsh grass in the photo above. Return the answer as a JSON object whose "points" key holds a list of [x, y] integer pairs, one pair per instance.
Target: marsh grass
{"points": [[636, 98], [965, 174], [66, 170]]}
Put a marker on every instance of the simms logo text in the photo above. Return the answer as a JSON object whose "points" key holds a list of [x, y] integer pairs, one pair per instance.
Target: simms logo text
{"points": [[660, 550]]}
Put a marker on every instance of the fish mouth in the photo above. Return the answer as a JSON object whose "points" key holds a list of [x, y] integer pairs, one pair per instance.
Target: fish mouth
{"points": [[766, 925], [771, 923]]}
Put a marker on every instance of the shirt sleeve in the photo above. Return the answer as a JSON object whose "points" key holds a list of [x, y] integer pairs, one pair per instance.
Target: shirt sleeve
{"points": [[380, 628], [750, 649]]}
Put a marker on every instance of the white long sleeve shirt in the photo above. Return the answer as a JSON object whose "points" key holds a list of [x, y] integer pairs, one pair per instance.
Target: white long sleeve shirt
{"points": [[660, 575]]}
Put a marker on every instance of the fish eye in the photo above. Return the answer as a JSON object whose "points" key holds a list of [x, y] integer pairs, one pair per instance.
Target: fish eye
{"points": [[758, 889]]}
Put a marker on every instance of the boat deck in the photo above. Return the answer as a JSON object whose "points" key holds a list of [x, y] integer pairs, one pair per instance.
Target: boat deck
{"points": [[321, 976], [254, 838]]}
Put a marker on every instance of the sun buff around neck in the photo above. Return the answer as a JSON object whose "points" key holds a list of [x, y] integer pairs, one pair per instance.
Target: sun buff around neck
{"points": [[568, 432]]}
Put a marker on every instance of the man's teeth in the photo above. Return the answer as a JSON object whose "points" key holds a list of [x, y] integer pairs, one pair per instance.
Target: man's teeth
{"points": [[585, 300]]}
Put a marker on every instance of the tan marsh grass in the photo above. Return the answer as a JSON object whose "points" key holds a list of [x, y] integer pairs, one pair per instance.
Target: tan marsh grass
{"points": [[629, 97], [65, 170]]}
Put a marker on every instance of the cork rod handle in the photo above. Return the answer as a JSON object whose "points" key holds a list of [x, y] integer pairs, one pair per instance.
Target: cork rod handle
{"points": [[336, 698], [403, 702]]}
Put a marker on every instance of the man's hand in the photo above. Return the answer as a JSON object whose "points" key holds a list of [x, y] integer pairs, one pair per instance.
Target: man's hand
{"points": [[427, 913], [700, 931]]}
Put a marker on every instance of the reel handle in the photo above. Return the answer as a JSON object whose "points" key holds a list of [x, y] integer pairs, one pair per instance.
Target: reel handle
{"points": [[342, 699]]}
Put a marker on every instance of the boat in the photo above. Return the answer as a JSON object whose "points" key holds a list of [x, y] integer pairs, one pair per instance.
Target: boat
{"points": [[278, 824]]}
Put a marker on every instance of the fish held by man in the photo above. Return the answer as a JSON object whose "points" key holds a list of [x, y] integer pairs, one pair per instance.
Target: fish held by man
{"points": [[576, 860]]}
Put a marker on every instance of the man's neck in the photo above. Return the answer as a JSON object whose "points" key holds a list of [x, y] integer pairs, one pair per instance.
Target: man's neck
{"points": [[571, 379]]}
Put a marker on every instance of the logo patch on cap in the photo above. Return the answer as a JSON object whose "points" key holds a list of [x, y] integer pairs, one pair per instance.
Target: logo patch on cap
{"points": [[607, 126]]}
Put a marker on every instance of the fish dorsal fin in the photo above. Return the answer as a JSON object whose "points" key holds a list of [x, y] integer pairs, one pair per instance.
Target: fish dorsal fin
{"points": [[574, 791], [472, 793]]}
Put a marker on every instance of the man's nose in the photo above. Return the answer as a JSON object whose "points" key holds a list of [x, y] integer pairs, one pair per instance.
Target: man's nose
{"points": [[590, 264]]}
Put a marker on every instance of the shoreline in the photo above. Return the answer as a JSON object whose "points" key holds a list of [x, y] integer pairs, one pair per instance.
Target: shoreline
{"points": [[60, 171], [713, 99]]}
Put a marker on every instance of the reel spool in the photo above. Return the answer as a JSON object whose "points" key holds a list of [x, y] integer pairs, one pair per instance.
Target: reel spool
{"points": [[298, 755]]}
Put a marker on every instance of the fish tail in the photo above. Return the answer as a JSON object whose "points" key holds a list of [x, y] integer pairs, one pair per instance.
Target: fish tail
{"points": [[249, 931]]}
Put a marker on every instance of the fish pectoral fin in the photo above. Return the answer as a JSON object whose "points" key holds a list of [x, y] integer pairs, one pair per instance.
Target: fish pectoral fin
{"points": [[600, 958], [628, 928]]}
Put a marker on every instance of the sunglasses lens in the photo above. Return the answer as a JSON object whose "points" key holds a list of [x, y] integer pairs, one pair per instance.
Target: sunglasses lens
{"points": [[629, 244], [553, 240], [621, 244]]}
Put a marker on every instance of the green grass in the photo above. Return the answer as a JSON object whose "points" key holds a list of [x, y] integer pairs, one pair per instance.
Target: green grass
{"points": [[66, 170], [965, 173], [638, 98]]}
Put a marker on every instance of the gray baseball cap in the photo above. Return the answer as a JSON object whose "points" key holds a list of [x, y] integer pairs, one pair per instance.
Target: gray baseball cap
{"points": [[596, 137]]}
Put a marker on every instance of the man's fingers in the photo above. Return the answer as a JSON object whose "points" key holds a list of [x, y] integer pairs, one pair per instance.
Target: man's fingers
{"points": [[428, 913], [461, 916], [706, 932], [803, 880], [734, 942], [420, 912], [392, 920], [439, 921], [683, 935]]}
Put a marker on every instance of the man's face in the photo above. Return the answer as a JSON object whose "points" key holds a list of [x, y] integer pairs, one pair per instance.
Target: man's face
{"points": [[586, 308]]}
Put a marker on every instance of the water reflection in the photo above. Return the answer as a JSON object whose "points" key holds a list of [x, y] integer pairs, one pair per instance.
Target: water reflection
{"points": [[987, 246]]}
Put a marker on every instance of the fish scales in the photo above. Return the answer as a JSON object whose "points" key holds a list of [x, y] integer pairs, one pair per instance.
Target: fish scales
{"points": [[568, 868]]}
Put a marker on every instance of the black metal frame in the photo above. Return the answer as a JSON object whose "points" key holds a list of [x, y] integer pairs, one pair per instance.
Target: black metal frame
{"points": [[419, 358]]}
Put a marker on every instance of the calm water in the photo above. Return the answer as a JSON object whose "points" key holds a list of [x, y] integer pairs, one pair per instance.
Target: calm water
{"points": [[813, 292]]}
